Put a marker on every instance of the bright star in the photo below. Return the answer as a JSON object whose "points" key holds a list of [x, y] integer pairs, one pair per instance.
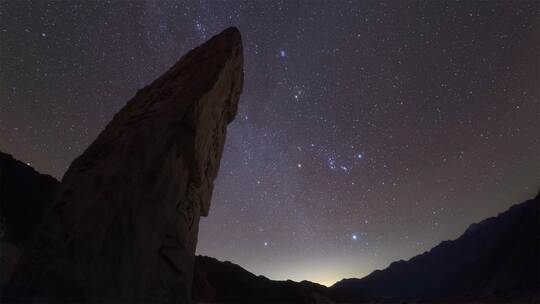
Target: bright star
{"points": [[332, 163], [359, 156], [354, 237], [299, 165], [282, 54], [265, 244]]}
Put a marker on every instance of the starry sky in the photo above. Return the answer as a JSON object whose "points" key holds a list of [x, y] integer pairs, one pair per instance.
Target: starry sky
{"points": [[367, 131]]}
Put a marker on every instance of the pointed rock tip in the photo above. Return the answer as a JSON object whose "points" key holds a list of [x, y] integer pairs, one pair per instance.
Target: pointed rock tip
{"points": [[231, 31], [230, 35]]}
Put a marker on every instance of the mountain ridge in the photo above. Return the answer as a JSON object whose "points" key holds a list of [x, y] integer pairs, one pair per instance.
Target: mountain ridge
{"points": [[493, 232], [224, 281], [470, 228]]}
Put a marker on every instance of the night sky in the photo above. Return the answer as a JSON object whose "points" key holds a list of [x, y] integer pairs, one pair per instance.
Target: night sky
{"points": [[367, 132]]}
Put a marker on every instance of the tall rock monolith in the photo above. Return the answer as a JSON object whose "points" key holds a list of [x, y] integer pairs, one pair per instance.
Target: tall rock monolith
{"points": [[123, 227]]}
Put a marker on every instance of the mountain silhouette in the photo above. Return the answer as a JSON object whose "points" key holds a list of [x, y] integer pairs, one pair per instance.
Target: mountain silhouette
{"points": [[497, 258]]}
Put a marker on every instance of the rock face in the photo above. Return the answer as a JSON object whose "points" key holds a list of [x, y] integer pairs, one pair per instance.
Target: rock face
{"points": [[25, 193], [123, 227]]}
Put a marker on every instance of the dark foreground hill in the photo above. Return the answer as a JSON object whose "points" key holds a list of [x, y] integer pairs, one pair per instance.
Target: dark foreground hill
{"points": [[25, 194], [496, 257], [496, 260], [217, 281]]}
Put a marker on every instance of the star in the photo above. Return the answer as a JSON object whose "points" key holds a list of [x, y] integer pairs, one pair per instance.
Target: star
{"points": [[335, 138], [332, 163]]}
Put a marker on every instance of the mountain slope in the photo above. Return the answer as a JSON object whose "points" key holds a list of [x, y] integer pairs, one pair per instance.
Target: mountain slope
{"points": [[498, 256], [217, 281], [24, 195]]}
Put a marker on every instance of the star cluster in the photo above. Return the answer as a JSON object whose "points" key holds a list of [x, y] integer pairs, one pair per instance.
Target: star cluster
{"points": [[367, 131]]}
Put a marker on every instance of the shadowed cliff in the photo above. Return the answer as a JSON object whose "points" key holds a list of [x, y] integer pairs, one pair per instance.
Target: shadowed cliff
{"points": [[123, 225], [25, 194]]}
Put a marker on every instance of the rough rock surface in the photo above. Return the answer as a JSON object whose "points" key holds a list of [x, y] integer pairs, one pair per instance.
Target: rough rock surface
{"points": [[25, 193], [123, 227]]}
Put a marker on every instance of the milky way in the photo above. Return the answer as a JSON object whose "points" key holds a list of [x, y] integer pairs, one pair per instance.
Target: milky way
{"points": [[367, 132]]}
